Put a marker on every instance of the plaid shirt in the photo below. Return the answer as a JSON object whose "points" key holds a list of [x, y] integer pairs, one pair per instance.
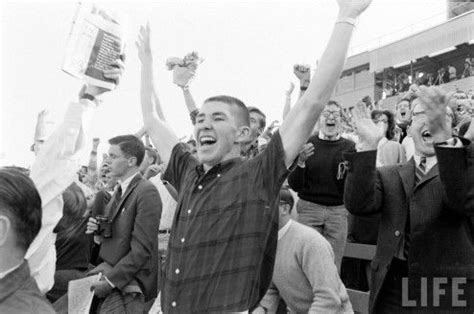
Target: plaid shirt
{"points": [[224, 233]]}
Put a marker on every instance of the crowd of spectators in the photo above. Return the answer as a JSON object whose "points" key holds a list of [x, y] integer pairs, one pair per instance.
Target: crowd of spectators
{"points": [[243, 216]]}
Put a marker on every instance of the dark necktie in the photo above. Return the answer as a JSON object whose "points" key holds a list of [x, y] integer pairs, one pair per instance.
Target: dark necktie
{"points": [[420, 170], [419, 174], [116, 199]]}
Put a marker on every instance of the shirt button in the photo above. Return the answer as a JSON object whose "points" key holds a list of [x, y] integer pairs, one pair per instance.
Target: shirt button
{"points": [[177, 271], [218, 175], [182, 240], [173, 304], [397, 233], [200, 187], [189, 211]]}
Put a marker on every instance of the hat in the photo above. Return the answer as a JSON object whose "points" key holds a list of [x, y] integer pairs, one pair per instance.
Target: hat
{"points": [[286, 197]]}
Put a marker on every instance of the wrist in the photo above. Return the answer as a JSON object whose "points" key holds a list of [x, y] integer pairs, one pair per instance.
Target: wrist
{"points": [[347, 19]]}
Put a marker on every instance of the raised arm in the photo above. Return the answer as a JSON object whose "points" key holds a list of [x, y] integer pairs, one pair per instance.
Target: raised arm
{"points": [[303, 73], [182, 76], [297, 126], [162, 136], [287, 106], [53, 171]]}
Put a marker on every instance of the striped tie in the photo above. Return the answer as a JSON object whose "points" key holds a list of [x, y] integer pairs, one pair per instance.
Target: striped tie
{"points": [[419, 173], [420, 170]]}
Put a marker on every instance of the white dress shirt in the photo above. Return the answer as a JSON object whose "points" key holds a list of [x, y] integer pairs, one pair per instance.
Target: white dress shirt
{"points": [[53, 171]]}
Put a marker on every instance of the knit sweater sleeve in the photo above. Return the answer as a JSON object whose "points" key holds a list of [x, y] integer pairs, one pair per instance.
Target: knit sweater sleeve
{"points": [[317, 260], [270, 300]]}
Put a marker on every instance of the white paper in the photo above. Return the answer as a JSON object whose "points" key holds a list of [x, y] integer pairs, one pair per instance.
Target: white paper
{"points": [[80, 295], [96, 40]]}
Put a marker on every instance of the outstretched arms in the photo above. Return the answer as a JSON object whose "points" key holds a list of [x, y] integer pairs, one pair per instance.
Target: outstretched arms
{"points": [[162, 136], [297, 126]]}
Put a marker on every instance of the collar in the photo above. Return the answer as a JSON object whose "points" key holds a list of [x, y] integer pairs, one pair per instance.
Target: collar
{"points": [[218, 167], [14, 280], [8, 271], [382, 142], [284, 230], [323, 137], [124, 185], [430, 162]]}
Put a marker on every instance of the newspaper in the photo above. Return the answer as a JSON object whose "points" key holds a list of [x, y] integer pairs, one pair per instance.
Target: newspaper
{"points": [[95, 42], [80, 294]]}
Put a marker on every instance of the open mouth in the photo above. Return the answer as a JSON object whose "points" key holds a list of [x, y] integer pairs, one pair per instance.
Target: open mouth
{"points": [[330, 124], [207, 140]]}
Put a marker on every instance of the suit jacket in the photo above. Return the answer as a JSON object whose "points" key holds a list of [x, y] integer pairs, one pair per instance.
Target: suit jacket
{"points": [[440, 207], [132, 251], [19, 293]]}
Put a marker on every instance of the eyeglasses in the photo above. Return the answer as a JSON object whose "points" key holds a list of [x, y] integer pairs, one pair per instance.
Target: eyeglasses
{"points": [[327, 113]]}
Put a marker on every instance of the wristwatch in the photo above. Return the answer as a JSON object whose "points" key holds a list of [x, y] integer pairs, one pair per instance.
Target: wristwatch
{"points": [[88, 96]]}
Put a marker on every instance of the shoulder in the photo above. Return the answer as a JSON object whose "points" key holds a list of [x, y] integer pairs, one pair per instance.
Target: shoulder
{"points": [[347, 143], [308, 237], [27, 299]]}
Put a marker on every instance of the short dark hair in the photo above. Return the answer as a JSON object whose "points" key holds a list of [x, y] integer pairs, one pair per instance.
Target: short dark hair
{"points": [[74, 208], [130, 145], [263, 121], [334, 103], [152, 153], [286, 197], [241, 108], [21, 203], [390, 134]]}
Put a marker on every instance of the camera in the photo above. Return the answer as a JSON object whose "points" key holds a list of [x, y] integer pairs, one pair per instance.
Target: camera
{"points": [[104, 226]]}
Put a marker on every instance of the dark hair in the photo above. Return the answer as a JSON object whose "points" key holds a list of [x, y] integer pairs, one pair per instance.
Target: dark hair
{"points": [[463, 128], [390, 134], [21, 203], [263, 121], [74, 208], [130, 145], [241, 109], [152, 153], [334, 103], [286, 197]]}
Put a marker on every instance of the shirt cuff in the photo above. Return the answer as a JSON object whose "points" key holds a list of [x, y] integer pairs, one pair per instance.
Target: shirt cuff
{"points": [[109, 282], [452, 142]]}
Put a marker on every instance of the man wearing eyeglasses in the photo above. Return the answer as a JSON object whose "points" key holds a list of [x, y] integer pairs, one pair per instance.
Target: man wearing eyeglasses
{"points": [[319, 180], [305, 276]]}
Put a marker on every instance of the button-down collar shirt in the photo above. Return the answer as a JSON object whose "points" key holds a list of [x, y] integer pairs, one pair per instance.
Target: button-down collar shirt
{"points": [[225, 230], [53, 171]]}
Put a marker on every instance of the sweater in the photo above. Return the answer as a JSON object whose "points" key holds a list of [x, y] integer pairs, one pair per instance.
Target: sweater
{"points": [[305, 275], [318, 182]]}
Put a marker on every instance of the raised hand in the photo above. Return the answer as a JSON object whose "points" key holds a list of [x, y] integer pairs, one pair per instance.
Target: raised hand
{"points": [[303, 73], [182, 76], [369, 133], [305, 153], [434, 101], [352, 8], [143, 44], [95, 142], [290, 89]]}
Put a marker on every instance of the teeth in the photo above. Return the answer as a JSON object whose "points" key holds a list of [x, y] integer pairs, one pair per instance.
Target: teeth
{"points": [[207, 140]]}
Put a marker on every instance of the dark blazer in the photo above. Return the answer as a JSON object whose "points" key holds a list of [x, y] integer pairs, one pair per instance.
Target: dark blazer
{"points": [[132, 251], [20, 294], [441, 242]]}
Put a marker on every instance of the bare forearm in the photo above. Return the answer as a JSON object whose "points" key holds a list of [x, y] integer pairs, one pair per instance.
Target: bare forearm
{"points": [[161, 135], [301, 119], [189, 100], [287, 107]]}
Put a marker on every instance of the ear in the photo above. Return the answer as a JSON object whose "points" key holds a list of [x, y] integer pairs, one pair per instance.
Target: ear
{"points": [[5, 227], [132, 161], [243, 133]]}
